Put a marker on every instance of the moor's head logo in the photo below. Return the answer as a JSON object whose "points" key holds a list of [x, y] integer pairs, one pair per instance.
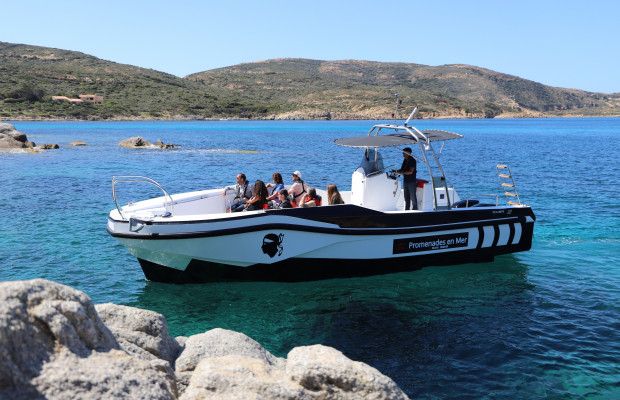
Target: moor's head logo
{"points": [[272, 244]]}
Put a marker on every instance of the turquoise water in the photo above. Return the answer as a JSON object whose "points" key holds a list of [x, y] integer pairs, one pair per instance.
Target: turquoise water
{"points": [[540, 324]]}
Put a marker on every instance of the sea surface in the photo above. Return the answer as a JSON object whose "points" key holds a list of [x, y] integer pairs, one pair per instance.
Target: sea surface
{"points": [[543, 324]]}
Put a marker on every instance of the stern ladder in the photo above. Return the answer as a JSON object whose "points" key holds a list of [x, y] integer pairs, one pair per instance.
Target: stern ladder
{"points": [[508, 184]]}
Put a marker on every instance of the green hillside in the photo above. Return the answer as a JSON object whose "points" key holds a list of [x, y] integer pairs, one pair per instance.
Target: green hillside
{"points": [[31, 75], [284, 88], [362, 88]]}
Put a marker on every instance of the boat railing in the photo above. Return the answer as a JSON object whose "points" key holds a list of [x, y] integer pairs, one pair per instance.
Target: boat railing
{"points": [[168, 203]]}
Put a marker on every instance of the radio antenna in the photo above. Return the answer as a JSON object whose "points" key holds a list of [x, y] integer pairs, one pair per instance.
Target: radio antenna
{"points": [[398, 102], [411, 116]]}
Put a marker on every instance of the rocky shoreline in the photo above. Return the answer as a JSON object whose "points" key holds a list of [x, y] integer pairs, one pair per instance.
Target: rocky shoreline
{"points": [[314, 116], [56, 344], [11, 138]]}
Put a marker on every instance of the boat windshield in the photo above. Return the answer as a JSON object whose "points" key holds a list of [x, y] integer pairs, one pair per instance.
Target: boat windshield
{"points": [[372, 161]]}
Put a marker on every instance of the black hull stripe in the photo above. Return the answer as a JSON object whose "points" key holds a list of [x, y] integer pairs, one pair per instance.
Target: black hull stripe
{"points": [[480, 237], [496, 237], [318, 229], [511, 236], [351, 216], [302, 269]]}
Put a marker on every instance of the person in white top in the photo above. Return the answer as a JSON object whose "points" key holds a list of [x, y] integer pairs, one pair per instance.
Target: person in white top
{"points": [[243, 192], [298, 189]]}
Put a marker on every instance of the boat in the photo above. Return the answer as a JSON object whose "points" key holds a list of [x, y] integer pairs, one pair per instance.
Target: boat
{"points": [[189, 237]]}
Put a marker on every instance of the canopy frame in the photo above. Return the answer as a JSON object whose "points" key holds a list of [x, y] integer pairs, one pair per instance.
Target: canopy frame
{"points": [[409, 135]]}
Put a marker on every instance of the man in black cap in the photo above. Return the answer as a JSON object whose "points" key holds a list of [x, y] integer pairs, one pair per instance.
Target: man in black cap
{"points": [[410, 182]]}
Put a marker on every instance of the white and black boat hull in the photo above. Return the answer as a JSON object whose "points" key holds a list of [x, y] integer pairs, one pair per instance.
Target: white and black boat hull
{"points": [[321, 242]]}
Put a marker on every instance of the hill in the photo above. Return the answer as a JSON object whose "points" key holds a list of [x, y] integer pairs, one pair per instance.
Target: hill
{"points": [[31, 75], [283, 88], [364, 89]]}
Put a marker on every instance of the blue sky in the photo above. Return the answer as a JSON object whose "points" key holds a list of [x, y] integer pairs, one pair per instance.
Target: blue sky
{"points": [[566, 44]]}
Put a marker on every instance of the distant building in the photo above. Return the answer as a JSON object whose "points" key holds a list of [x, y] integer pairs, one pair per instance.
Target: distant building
{"points": [[92, 98], [61, 98]]}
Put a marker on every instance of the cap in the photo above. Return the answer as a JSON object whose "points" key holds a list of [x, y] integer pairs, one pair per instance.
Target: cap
{"points": [[297, 173]]}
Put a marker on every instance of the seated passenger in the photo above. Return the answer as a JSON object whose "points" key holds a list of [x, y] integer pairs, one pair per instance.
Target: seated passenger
{"points": [[243, 192], [284, 201], [276, 186], [259, 197], [311, 199], [333, 195], [298, 188]]}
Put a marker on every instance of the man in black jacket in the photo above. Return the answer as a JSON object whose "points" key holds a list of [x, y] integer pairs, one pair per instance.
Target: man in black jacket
{"points": [[410, 182]]}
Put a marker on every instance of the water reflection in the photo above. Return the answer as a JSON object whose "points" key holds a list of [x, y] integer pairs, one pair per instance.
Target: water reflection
{"points": [[403, 324]]}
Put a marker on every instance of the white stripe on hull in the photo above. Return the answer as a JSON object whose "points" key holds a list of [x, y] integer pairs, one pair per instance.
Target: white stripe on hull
{"points": [[245, 249]]}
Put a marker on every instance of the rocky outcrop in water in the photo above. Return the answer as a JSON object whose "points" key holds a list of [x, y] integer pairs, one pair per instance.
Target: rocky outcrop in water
{"points": [[11, 138], [55, 344], [78, 143], [138, 142]]}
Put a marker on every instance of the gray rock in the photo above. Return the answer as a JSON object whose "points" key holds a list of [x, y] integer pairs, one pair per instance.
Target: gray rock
{"points": [[163, 145], [109, 375], [217, 343], [78, 143], [142, 333], [239, 377], [11, 138], [181, 341], [54, 345], [327, 373], [312, 372], [136, 142], [49, 146]]}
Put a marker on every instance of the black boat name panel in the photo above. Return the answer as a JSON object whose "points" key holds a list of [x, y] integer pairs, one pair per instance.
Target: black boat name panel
{"points": [[427, 243]]}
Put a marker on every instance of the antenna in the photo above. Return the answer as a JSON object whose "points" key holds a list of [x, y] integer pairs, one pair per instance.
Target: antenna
{"points": [[398, 102], [411, 116]]}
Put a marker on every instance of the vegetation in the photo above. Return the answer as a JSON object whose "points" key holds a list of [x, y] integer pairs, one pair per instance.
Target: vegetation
{"points": [[284, 88]]}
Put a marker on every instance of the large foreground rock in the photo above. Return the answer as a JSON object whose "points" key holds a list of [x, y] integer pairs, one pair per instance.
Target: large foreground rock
{"points": [[218, 343], [141, 333], [11, 138], [311, 372], [325, 372], [54, 345]]}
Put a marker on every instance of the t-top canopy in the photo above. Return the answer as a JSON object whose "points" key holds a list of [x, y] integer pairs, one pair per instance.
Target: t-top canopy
{"points": [[395, 139]]}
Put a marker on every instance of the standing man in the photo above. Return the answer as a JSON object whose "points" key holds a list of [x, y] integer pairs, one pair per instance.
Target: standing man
{"points": [[243, 193], [410, 182]]}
